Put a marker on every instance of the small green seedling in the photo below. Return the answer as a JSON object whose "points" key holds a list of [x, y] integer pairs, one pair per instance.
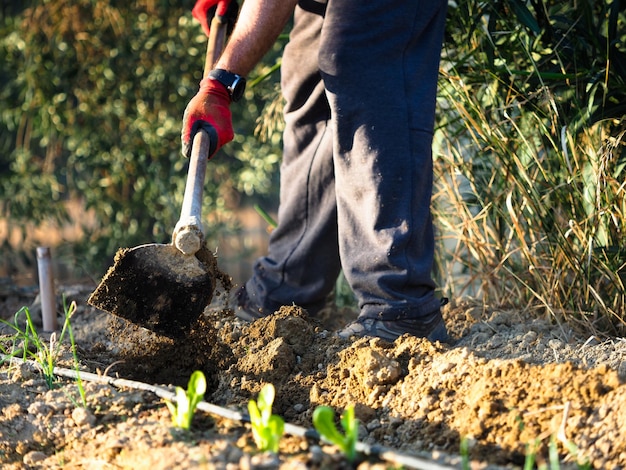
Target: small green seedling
{"points": [[465, 455], [267, 429], [186, 402], [324, 422], [30, 345], [553, 462], [69, 311]]}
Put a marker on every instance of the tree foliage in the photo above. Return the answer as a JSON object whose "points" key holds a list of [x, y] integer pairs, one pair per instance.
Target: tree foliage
{"points": [[92, 108]]}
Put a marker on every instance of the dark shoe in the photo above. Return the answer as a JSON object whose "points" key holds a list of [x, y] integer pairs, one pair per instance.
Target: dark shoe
{"points": [[243, 307], [433, 330]]}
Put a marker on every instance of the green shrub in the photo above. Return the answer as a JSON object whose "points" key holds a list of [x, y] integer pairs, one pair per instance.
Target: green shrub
{"points": [[90, 110]]}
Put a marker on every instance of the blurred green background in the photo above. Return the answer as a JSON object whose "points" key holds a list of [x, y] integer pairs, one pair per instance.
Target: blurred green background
{"points": [[91, 109]]}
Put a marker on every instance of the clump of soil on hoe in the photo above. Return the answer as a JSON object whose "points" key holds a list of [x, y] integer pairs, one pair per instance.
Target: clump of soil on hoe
{"points": [[158, 287], [509, 381]]}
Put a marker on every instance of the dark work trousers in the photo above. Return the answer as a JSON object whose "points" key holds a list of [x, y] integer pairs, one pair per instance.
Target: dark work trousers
{"points": [[360, 84]]}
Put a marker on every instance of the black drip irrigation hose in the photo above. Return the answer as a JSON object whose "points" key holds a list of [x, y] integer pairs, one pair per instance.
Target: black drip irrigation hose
{"points": [[310, 434]]}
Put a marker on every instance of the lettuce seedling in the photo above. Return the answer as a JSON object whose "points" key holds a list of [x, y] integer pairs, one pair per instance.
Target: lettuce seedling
{"points": [[186, 402], [324, 423], [267, 429]]}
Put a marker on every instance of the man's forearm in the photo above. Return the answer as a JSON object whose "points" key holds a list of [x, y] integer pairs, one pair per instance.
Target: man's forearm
{"points": [[259, 24]]}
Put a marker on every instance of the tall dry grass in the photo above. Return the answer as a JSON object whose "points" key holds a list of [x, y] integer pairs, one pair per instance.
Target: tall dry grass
{"points": [[530, 198]]}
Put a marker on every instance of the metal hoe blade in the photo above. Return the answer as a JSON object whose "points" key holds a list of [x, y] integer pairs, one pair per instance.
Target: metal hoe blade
{"points": [[157, 287]]}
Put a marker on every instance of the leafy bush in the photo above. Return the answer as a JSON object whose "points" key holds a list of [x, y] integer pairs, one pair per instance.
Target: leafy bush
{"points": [[92, 103]]}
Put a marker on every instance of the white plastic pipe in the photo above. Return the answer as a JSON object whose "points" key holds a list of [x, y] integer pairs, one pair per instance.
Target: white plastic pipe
{"points": [[46, 289]]}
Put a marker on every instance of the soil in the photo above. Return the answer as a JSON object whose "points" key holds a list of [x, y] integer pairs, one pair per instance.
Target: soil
{"points": [[511, 381]]}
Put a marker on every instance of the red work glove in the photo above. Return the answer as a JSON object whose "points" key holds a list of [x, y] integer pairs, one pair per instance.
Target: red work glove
{"points": [[205, 10], [208, 110]]}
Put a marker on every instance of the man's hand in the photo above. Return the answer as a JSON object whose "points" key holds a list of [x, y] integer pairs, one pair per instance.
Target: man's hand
{"points": [[205, 10], [208, 110]]}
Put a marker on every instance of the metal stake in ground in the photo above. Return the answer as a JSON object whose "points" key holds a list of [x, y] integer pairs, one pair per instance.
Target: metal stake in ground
{"points": [[47, 292]]}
